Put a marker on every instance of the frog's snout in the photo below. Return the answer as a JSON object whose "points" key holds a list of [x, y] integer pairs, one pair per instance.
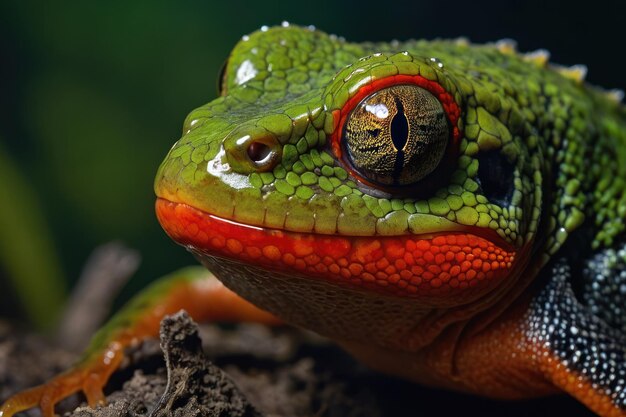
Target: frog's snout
{"points": [[252, 150]]}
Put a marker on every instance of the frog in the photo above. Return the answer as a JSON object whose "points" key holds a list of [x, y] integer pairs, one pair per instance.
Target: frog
{"points": [[448, 213]]}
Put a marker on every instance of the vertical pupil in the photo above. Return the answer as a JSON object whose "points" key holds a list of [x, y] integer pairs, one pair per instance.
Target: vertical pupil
{"points": [[399, 127], [399, 136]]}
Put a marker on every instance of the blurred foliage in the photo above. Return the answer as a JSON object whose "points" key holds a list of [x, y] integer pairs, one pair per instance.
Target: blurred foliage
{"points": [[94, 93], [26, 249]]}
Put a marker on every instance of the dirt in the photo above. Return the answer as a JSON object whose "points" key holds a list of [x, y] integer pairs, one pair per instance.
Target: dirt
{"points": [[246, 371]]}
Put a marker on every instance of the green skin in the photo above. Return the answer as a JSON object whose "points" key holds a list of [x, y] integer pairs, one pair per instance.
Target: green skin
{"points": [[287, 81], [564, 141]]}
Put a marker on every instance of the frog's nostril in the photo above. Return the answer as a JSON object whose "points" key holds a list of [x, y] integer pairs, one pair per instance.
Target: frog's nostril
{"points": [[259, 153], [252, 150]]}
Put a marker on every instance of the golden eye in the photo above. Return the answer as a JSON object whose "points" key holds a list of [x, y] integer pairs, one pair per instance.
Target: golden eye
{"points": [[397, 135]]}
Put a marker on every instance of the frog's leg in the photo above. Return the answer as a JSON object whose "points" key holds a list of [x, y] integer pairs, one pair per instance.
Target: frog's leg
{"points": [[547, 342], [577, 350], [193, 289]]}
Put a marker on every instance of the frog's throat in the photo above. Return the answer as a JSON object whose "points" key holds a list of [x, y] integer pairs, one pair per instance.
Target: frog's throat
{"points": [[436, 265]]}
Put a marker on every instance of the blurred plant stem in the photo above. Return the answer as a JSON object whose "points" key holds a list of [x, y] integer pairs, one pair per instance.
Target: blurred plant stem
{"points": [[27, 252]]}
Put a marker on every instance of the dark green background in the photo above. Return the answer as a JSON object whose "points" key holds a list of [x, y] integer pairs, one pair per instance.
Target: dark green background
{"points": [[93, 94]]}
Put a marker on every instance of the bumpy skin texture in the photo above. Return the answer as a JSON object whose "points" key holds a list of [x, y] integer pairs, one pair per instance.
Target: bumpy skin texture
{"points": [[499, 273]]}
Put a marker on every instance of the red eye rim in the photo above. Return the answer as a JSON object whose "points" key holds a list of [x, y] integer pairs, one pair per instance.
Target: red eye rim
{"points": [[450, 107]]}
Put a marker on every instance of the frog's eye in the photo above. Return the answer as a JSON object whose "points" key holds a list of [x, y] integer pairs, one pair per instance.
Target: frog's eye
{"points": [[397, 135]]}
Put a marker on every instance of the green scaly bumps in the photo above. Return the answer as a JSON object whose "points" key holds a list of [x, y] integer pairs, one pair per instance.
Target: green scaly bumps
{"points": [[287, 81]]}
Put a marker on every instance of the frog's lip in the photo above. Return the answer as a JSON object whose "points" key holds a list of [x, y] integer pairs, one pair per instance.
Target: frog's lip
{"points": [[409, 265]]}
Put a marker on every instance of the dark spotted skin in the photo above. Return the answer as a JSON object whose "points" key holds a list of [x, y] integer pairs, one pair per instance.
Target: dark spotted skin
{"points": [[603, 290], [592, 348]]}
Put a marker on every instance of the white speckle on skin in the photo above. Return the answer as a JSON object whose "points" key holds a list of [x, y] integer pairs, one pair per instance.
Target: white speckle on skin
{"points": [[437, 62], [245, 72]]}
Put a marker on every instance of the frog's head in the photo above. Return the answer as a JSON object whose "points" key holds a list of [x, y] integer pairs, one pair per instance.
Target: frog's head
{"points": [[331, 178]]}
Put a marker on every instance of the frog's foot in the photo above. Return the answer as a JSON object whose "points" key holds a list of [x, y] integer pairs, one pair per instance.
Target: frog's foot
{"points": [[193, 289], [89, 376]]}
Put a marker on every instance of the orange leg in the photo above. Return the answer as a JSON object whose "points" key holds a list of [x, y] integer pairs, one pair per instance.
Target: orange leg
{"points": [[548, 343], [577, 351], [193, 289]]}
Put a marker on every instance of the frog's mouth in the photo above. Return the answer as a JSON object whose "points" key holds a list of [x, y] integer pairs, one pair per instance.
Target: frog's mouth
{"points": [[427, 265]]}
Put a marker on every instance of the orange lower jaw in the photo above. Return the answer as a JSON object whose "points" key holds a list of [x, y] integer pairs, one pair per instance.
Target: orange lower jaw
{"points": [[445, 265]]}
